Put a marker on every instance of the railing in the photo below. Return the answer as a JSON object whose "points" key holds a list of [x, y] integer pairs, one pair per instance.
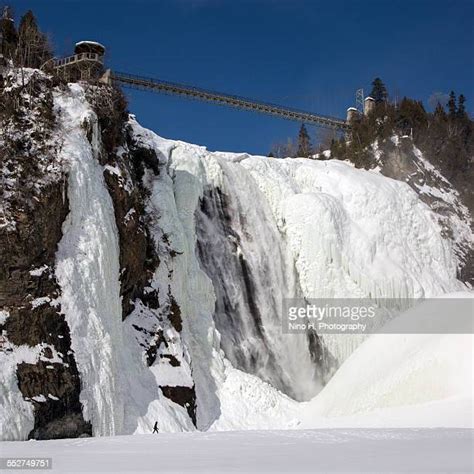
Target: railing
{"points": [[158, 85], [77, 58]]}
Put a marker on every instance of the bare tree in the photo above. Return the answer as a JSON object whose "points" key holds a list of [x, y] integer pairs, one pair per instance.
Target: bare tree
{"points": [[284, 150], [325, 137]]}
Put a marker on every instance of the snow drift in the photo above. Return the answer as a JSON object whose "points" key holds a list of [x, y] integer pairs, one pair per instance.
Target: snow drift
{"points": [[402, 379]]}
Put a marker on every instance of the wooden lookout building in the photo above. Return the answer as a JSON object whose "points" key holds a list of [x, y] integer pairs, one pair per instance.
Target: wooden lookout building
{"points": [[87, 62]]}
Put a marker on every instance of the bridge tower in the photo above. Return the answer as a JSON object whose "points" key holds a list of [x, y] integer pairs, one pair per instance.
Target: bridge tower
{"points": [[369, 104], [352, 113], [360, 100]]}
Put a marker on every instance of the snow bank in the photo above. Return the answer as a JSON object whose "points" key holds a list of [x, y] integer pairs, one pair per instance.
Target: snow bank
{"points": [[401, 380], [247, 403]]}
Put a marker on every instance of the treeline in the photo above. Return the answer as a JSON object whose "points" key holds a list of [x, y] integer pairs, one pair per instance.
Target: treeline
{"points": [[26, 46], [445, 135], [301, 147]]}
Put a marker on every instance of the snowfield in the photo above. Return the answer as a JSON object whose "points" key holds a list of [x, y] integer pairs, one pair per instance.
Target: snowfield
{"points": [[257, 452]]}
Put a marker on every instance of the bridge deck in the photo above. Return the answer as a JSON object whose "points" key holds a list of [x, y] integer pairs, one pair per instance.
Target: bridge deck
{"points": [[158, 85]]}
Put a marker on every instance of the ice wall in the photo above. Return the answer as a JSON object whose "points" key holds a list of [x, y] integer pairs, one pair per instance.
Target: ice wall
{"points": [[87, 268], [241, 249], [270, 228]]}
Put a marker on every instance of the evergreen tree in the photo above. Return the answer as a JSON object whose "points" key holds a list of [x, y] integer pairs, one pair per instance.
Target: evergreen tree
{"points": [[304, 143], [452, 105], [440, 113], [8, 35], [33, 47], [410, 116], [461, 107], [379, 91]]}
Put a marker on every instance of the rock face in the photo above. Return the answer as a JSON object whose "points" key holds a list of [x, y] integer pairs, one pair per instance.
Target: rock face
{"points": [[400, 159], [184, 396], [140, 256], [35, 205]]}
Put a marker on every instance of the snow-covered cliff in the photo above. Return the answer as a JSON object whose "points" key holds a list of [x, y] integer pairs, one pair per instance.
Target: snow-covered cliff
{"points": [[167, 275]]}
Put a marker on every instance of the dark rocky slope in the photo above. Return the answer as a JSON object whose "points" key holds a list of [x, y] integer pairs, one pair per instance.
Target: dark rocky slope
{"points": [[35, 205]]}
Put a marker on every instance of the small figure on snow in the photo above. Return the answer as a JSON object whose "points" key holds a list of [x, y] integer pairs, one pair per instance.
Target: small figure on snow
{"points": [[155, 428]]}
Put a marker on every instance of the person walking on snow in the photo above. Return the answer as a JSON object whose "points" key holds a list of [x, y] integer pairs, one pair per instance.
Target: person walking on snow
{"points": [[155, 428]]}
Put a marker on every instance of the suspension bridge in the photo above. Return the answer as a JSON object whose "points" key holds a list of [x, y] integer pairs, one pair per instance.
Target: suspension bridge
{"points": [[190, 92], [88, 61]]}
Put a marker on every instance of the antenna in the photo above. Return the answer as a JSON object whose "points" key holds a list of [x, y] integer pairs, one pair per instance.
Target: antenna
{"points": [[360, 100]]}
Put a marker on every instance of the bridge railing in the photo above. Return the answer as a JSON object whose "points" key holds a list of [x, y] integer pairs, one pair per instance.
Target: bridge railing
{"points": [[228, 99]]}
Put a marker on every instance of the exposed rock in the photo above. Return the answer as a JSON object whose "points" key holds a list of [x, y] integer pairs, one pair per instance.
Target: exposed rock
{"points": [[172, 360], [35, 205], [400, 160], [175, 314], [133, 241], [155, 344], [184, 396], [68, 426]]}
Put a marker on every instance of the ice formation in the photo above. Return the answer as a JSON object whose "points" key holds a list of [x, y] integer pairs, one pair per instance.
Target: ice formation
{"points": [[247, 232], [87, 268]]}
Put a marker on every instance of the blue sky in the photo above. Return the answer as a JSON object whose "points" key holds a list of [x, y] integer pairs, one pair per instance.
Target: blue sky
{"points": [[307, 54]]}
